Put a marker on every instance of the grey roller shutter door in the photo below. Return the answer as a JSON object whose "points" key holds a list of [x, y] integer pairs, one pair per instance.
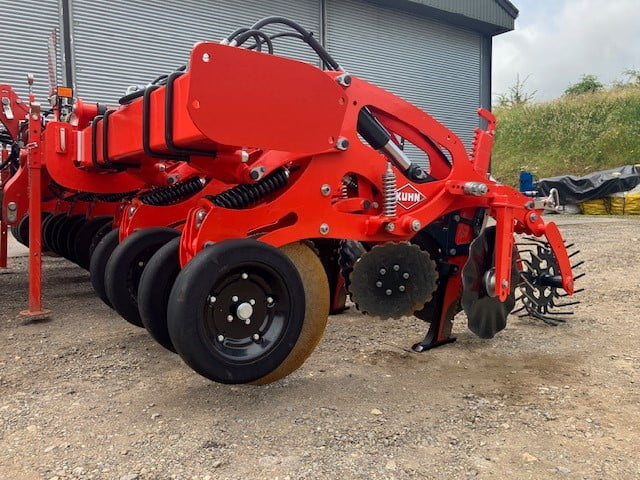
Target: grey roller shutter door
{"points": [[130, 42], [433, 65], [25, 29]]}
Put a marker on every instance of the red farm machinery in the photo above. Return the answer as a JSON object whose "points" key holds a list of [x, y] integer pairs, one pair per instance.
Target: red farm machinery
{"points": [[230, 220]]}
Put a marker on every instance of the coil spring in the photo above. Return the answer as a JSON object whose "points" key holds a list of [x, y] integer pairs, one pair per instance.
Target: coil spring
{"points": [[389, 192], [245, 195], [85, 197], [115, 197], [167, 195]]}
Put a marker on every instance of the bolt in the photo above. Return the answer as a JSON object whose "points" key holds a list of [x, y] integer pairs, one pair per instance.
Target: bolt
{"points": [[416, 225], [221, 338], [396, 268], [530, 205], [132, 210], [342, 144], [344, 79], [324, 229], [405, 275], [383, 271], [244, 311], [375, 205], [379, 284], [325, 190], [533, 217], [456, 218], [212, 299], [269, 300], [453, 251], [401, 288], [505, 284], [256, 337], [244, 156], [205, 57], [255, 174], [229, 318], [244, 276], [141, 264], [200, 217], [234, 298], [390, 227], [162, 167], [388, 292]]}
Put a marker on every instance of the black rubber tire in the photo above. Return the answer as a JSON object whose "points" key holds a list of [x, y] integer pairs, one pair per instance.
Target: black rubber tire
{"points": [[154, 289], [99, 235], [188, 306], [56, 234], [46, 218], [66, 232], [49, 228], [98, 264], [22, 231], [84, 237], [125, 267]]}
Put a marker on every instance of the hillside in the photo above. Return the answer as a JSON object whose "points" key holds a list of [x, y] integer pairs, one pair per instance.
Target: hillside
{"points": [[571, 135]]}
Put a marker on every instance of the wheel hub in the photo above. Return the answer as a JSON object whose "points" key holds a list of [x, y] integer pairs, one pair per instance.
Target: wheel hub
{"points": [[246, 312]]}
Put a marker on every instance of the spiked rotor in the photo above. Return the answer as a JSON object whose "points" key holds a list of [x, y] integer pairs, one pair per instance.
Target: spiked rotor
{"points": [[540, 285]]}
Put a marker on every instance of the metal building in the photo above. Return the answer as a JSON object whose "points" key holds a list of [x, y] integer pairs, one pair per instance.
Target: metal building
{"points": [[434, 53]]}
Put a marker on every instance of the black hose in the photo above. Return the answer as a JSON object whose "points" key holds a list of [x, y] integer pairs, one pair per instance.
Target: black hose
{"points": [[258, 35], [308, 38]]}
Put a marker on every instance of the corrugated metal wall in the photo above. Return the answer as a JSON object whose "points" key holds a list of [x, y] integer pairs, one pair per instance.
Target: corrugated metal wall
{"points": [[130, 42], [433, 65], [25, 29]]}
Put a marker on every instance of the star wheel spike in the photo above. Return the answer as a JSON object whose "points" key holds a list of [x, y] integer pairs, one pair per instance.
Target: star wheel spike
{"points": [[540, 288]]}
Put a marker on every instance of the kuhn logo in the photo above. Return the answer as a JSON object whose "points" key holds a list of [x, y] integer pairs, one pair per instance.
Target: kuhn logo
{"points": [[408, 197]]}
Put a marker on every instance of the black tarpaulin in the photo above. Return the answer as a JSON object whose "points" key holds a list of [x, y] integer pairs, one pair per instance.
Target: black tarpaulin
{"points": [[574, 189]]}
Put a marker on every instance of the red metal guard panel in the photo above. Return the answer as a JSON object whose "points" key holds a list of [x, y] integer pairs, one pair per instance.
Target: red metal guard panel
{"points": [[245, 98]]}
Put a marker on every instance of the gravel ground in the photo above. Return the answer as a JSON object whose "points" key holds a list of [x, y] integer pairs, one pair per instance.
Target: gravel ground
{"points": [[84, 395]]}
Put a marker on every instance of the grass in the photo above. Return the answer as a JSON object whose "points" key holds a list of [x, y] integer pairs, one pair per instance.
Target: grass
{"points": [[568, 136]]}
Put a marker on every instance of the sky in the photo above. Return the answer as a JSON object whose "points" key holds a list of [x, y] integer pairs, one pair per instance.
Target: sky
{"points": [[555, 42]]}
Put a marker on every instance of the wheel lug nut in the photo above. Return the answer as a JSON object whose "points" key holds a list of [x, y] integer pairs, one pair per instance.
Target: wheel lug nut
{"points": [[396, 268], [212, 299], [234, 298], [379, 284], [247, 321], [244, 276], [388, 292], [221, 338], [270, 300], [229, 318], [252, 302], [405, 275], [401, 288], [383, 271], [256, 337]]}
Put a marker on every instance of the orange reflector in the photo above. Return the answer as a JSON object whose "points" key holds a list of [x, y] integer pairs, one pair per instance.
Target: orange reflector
{"points": [[66, 92]]}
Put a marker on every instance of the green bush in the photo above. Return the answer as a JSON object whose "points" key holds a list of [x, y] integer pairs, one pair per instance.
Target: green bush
{"points": [[574, 135]]}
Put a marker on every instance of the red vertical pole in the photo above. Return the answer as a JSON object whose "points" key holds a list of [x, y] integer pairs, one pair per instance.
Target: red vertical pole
{"points": [[3, 225], [34, 164]]}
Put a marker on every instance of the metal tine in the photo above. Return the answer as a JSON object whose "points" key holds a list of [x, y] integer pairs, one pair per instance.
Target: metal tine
{"points": [[564, 313], [574, 253], [518, 310], [571, 245], [579, 264], [562, 295], [568, 304], [578, 277]]}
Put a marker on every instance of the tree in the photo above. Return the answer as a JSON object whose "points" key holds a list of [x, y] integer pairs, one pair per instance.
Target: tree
{"points": [[586, 84], [517, 95]]}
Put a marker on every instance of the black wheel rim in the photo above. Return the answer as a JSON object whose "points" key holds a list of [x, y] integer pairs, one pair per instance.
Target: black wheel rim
{"points": [[247, 313]]}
